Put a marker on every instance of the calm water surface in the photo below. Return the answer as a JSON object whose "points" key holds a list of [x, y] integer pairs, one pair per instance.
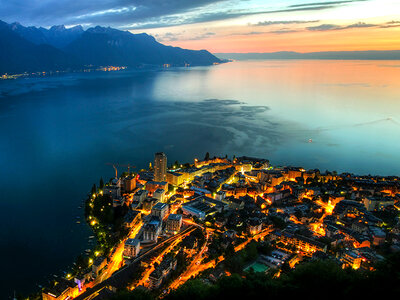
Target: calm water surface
{"points": [[58, 134]]}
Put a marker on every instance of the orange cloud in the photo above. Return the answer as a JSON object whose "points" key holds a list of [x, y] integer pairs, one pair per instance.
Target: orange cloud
{"points": [[369, 38]]}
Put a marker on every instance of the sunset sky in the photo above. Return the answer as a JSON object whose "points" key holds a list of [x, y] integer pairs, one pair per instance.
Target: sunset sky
{"points": [[229, 25]]}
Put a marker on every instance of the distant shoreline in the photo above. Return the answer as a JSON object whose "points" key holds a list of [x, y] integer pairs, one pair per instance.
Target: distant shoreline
{"points": [[324, 55], [100, 69]]}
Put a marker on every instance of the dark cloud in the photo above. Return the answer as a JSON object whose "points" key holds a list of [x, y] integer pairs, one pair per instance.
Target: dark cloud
{"points": [[359, 25], [203, 36], [323, 27], [168, 36], [198, 18], [390, 66], [113, 12], [390, 24], [283, 31], [269, 23], [326, 3], [249, 33], [327, 27], [255, 32], [215, 16], [136, 14]]}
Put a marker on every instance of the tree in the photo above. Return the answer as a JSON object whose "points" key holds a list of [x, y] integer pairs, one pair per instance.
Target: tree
{"points": [[137, 294], [309, 180], [207, 157], [298, 214], [234, 264], [94, 190], [278, 222], [300, 180], [230, 250], [264, 248], [101, 184], [192, 289]]}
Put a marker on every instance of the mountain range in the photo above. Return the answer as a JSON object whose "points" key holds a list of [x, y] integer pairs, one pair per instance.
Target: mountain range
{"points": [[36, 49]]}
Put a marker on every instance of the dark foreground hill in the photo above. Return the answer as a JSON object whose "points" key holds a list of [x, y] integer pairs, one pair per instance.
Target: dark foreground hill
{"points": [[314, 279]]}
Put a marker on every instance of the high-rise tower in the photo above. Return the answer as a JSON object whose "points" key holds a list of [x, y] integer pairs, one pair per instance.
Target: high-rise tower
{"points": [[160, 167]]}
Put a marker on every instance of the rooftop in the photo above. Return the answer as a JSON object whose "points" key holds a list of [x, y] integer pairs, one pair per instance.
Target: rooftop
{"points": [[132, 242], [160, 206], [175, 217]]}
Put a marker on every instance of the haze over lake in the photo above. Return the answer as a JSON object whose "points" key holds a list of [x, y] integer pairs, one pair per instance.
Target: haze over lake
{"points": [[59, 133]]}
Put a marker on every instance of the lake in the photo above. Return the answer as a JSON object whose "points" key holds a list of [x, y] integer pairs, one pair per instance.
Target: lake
{"points": [[59, 134]]}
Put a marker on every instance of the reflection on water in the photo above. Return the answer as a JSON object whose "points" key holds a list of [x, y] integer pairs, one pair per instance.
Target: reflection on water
{"points": [[58, 134], [349, 109]]}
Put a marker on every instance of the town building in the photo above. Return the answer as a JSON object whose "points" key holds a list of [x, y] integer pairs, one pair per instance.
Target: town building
{"points": [[113, 190], [175, 178], [377, 204], [152, 229], [378, 236], [304, 244], [62, 289], [254, 226], [160, 167], [131, 248], [152, 186], [140, 195], [118, 201], [131, 218], [159, 194], [351, 259], [202, 206], [220, 195], [129, 183], [98, 265], [173, 223], [160, 210], [161, 272], [148, 203]]}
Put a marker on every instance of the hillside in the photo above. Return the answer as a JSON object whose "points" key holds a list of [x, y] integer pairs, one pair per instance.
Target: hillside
{"points": [[31, 49]]}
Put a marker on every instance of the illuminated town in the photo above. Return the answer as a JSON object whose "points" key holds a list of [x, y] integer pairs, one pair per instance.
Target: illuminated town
{"points": [[58, 72], [158, 228]]}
